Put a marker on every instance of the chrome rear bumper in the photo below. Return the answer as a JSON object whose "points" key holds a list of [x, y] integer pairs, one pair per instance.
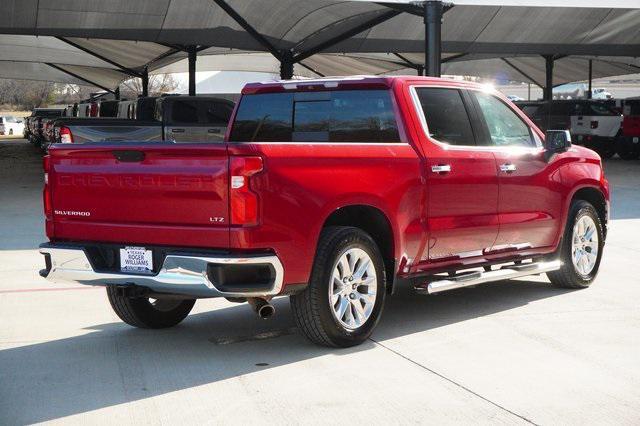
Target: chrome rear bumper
{"points": [[180, 274]]}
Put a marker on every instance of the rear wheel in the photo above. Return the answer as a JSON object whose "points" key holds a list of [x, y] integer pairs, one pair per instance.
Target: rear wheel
{"points": [[580, 249], [344, 299], [145, 312]]}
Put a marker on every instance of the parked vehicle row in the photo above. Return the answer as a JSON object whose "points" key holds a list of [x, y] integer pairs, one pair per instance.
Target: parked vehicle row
{"points": [[594, 124], [172, 118], [150, 119], [35, 126], [331, 192]]}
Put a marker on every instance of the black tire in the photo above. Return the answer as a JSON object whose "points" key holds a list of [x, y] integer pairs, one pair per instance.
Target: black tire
{"points": [[312, 309], [606, 152], [143, 313], [626, 151], [10, 132], [568, 276]]}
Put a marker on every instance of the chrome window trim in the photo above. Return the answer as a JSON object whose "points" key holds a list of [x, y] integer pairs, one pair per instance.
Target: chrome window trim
{"points": [[446, 146]]}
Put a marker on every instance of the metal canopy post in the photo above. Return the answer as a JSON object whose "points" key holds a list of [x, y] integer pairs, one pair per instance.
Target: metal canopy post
{"points": [[145, 82], [433, 11], [193, 53], [286, 65], [548, 88], [590, 92], [116, 93]]}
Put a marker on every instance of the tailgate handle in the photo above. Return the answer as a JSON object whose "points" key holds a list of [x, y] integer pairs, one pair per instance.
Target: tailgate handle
{"points": [[129, 156], [177, 130]]}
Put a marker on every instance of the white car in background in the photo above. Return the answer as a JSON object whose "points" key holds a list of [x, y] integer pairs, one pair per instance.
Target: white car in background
{"points": [[10, 125], [600, 93]]}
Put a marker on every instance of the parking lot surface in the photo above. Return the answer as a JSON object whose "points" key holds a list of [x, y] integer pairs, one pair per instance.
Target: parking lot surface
{"points": [[514, 352]]}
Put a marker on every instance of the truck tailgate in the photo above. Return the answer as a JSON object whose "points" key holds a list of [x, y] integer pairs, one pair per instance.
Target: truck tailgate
{"points": [[140, 193], [112, 129]]}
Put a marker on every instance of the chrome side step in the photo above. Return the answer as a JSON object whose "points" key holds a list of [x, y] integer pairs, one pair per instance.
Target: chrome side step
{"points": [[481, 277]]}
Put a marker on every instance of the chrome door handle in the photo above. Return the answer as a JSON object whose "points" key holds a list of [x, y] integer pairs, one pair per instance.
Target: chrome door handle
{"points": [[508, 168], [441, 168]]}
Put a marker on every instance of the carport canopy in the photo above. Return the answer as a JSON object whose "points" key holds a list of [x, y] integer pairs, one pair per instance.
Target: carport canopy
{"points": [[102, 43]]}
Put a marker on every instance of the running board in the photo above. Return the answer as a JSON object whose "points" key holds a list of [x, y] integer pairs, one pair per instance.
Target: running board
{"points": [[481, 277]]}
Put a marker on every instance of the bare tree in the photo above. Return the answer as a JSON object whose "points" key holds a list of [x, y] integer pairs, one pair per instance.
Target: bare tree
{"points": [[158, 84], [23, 94]]}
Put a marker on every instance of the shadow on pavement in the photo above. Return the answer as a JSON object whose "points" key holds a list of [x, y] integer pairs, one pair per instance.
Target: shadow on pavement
{"points": [[114, 364]]}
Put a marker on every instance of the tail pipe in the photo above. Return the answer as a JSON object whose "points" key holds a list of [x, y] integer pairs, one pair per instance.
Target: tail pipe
{"points": [[262, 307]]}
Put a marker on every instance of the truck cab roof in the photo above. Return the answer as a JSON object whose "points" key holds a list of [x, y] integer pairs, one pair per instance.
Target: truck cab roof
{"points": [[346, 83]]}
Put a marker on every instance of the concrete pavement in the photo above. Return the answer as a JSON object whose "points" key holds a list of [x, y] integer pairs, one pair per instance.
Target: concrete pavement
{"points": [[515, 352]]}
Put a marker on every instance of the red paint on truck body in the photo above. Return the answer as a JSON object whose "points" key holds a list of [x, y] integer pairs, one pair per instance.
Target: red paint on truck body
{"points": [[178, 195]]}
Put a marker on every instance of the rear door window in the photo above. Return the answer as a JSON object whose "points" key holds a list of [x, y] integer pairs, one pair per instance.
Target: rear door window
{"points": [[215, 113], [184, 112], [446, 115], [330, 116], [504, 126], [597, 109]]}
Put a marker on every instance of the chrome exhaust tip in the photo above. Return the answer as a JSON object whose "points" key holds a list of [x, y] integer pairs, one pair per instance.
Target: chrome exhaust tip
{"points": [[266, 311], [262, 307]]}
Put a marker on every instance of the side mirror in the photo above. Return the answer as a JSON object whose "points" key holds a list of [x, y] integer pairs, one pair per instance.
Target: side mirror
{"points": [[557, 140]]}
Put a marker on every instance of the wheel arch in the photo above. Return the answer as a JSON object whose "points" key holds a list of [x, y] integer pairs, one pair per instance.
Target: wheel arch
{"points": [[594, 196], [376, 223]]}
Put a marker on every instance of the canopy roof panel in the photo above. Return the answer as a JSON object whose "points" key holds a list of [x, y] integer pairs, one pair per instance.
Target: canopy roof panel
{"points": [[112, 40], [302, 25], [60, 73]]}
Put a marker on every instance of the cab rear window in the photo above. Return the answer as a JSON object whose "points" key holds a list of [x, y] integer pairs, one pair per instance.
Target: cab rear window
{"points": [[329, 116], [594, 109]]}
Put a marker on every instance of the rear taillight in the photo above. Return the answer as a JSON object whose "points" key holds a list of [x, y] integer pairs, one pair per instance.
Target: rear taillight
{"points": [[93, 112], [46, 195], [65, 135], [594, 124], [244, 203]]}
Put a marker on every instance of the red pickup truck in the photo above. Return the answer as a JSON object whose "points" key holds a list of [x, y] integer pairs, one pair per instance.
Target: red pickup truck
{"points": [[332, 192]]}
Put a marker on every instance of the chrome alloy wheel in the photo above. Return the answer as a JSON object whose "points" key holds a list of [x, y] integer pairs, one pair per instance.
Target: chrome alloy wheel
{"points": [[584, 245], [352, 291]]}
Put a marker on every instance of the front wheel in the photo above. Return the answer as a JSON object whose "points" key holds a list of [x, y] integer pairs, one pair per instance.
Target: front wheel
{"points": [[581, 248], [143, 312], [344, 299]]}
